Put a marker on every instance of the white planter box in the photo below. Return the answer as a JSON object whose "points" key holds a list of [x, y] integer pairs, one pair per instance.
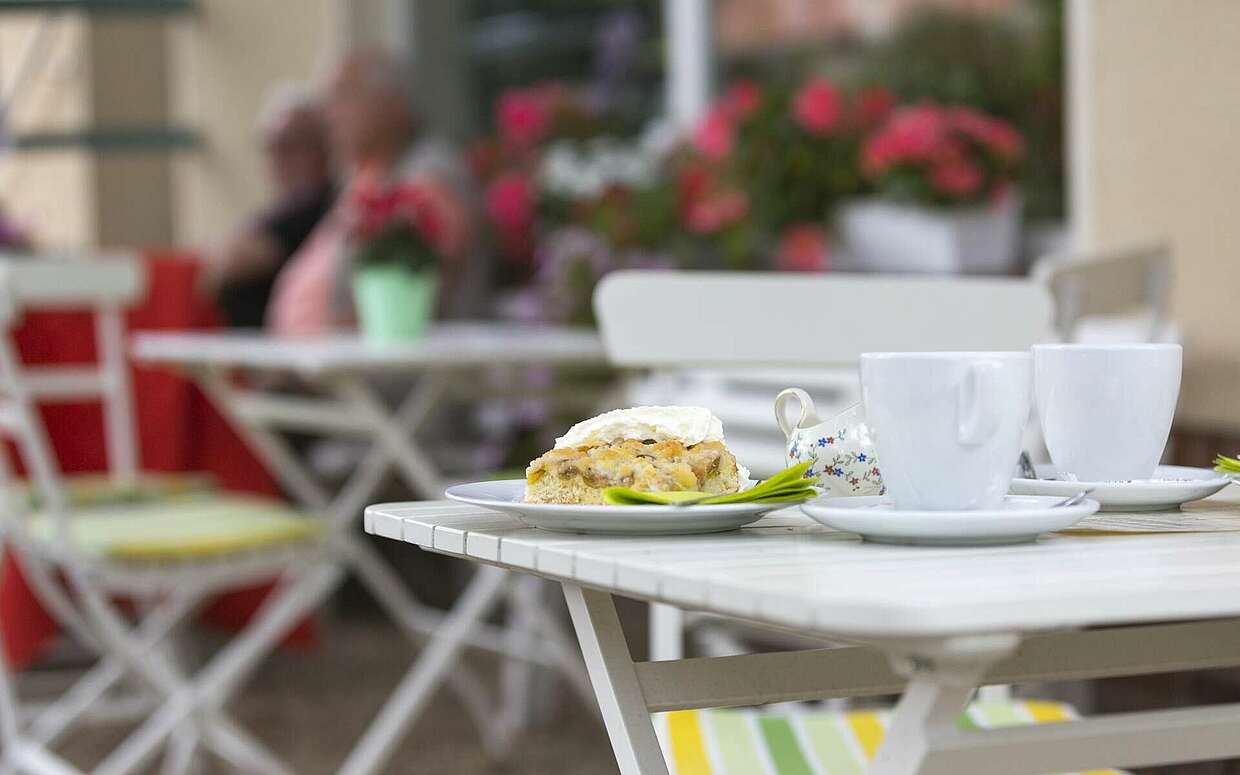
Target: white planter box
{"points": [[880, 236]]}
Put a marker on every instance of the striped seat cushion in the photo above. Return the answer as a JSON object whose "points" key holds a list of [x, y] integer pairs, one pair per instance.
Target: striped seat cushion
{"points": [[191, 526], [89, 490], [755, 742]]}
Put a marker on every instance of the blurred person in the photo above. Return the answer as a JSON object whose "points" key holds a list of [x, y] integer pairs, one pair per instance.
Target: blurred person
{"points": [[376, 137], [243, 271]]}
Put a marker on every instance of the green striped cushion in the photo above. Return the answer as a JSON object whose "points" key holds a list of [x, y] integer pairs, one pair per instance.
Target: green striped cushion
{"points": [[744, 742], [181, 528], [95, 489]]}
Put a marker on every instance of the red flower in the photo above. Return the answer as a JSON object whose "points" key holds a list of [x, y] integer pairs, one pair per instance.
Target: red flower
{"points": [[426, 207], [714, 136], [803, 248], [911, 135], [524, 115], [742, 99], [873, 105], [957, 178], [510, 202], [816, 107]]}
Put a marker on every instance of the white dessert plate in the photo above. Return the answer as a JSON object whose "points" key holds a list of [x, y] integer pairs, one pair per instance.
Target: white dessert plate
{"points": [[1019, 519], [1171, 486], [507, 496]]}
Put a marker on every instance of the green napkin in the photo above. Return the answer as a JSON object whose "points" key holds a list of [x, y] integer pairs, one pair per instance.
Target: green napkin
{"points": [[1227, 465], [787, 486]]}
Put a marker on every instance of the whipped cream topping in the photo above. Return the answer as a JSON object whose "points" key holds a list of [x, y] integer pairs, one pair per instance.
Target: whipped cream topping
{"points": [[687, 424]]}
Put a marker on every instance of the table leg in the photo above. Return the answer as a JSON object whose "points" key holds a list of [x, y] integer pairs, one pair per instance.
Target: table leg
{"points": [[942, 678], [616, 687], [394, 432], [430, 670]]}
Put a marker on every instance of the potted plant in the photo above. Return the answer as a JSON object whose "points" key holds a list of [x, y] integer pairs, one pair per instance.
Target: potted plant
{"points": [[400, 236], [944, 196], [767, 167]]}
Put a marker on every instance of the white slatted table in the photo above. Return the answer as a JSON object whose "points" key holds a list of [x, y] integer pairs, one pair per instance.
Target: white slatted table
{"points": [[932, 623], [449, 360]]}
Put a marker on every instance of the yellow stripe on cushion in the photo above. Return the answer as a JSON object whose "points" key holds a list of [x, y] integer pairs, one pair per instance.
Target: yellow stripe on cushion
{"points": [[1043, 712], [685, 739], [867, 730], [183, 528]]}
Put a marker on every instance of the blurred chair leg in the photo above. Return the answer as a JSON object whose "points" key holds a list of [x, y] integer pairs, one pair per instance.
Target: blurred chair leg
{"points": [[216, 682], [179, 755], [518, 675], [416, 688], [562, 644], [19, 755], [667, 632]]}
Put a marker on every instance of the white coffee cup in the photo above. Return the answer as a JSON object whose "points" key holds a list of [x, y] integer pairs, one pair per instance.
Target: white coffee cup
{"points": [[947, 426], [1106, 410]]}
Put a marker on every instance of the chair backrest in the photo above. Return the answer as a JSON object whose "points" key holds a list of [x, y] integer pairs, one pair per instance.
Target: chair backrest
{"points": [[782, 320], [106, 286], [1106, 283]]}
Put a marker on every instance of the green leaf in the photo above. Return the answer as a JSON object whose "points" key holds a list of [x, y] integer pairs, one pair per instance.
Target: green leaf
{"points": [[1227, 465]]}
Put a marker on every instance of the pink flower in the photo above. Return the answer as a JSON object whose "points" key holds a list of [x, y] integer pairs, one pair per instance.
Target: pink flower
{"points": [[510, 202], [803, 248], [716, 211], [816, 106], [911, 135], [997, 135], [959, 178], [524, 115], [715, 136], [742, 99]]}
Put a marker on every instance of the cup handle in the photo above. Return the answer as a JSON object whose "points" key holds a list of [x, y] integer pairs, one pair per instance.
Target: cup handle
{"points": [[805, 405], [977, 405]]}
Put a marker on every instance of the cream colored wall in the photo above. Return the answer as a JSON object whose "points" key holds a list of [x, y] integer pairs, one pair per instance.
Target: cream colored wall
{"points": [[222, 63], [1156, 116], [51, 193]]}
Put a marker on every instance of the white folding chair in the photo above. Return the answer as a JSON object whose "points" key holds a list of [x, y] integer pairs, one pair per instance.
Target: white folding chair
{"points": [[1121, 294], [78, 575], [308, 565], [773, 321]]}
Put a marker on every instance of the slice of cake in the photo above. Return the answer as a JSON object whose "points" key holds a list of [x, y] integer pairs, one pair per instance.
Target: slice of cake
{"points": [[648, 448]]}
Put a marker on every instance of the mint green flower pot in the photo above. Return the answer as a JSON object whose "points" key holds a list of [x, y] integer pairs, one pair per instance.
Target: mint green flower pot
{"points": [[394, 303]]}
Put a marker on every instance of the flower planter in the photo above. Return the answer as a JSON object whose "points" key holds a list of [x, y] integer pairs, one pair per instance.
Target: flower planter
{"points": [[881, 236], [394, 303]]}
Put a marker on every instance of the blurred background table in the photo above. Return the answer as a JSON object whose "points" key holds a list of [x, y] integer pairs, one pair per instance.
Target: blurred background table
{"points": [[384, 395]]}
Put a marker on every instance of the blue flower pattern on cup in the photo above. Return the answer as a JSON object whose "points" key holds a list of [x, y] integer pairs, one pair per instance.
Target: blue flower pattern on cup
{"points": [[840, 453]]}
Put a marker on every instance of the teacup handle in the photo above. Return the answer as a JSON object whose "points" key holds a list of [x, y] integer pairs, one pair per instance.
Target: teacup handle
{"points": [[805, 405], [977, 404]]}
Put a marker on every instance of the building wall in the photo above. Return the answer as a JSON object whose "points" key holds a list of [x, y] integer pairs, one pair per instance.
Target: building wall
{"points": [[127, 87], [50, 193], [1155, 112], [222, 63]]}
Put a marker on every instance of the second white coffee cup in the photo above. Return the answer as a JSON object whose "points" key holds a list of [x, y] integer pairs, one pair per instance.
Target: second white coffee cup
{"points": [[947, 426], [1106, 410]]}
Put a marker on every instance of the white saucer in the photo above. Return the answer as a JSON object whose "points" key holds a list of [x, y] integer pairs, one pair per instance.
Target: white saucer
{"points": [[507, 496], [1020, 518], [1171, 486]]}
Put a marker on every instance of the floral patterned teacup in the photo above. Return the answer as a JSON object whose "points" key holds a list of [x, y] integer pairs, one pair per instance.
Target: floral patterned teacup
{"points": [[840, 450]]}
